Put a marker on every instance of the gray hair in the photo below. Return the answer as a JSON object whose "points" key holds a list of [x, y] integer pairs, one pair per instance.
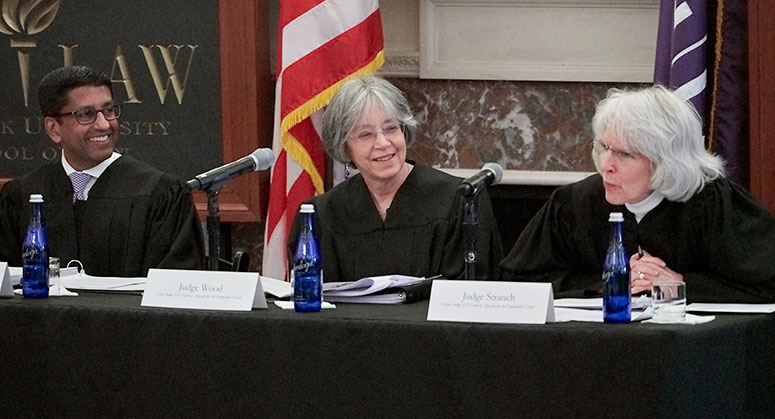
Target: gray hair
{"points": [[658, 124], [349, 104]]}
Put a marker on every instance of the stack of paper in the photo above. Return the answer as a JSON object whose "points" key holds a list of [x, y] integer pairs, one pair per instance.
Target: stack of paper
{"points": [[86, 282], [591, 309], [386, 289]]}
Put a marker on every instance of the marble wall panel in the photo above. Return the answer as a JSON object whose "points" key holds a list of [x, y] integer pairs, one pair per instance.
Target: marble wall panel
{"points": [[520, 125]]}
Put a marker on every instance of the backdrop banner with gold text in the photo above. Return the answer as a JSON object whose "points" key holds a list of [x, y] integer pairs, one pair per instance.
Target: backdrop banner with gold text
{"points": [[162, 57]]}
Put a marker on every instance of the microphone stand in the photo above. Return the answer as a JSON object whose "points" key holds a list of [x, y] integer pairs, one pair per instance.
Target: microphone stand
{"points": [[241, 260], [470, 227], [213, 228]]}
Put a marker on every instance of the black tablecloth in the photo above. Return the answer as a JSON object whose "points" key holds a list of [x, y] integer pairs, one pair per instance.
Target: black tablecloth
{"points": [[102, 355]]}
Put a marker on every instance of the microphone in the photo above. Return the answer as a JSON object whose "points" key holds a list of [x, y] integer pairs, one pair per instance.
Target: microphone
{"points": [[491, 174], [261, 159]]}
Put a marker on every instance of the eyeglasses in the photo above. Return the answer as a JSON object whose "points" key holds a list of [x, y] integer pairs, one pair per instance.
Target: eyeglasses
{"points": [[368, 136], [599, 147], [86, 116]]}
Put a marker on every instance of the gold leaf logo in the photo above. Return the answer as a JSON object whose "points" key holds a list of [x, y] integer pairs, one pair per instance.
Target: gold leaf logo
{"points": [[20, 19], [27, 17]]}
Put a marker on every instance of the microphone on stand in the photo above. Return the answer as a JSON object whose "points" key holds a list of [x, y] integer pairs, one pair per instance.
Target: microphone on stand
{"points": [[261, 159], [491, 174]]}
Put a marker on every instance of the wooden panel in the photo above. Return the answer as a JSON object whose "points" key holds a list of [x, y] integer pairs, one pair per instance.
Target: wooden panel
{"points": [[761, 47], [246, 105]]}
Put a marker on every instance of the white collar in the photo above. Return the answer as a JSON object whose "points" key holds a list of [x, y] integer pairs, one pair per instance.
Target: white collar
{"points": [[640, 209], [95, 171]]}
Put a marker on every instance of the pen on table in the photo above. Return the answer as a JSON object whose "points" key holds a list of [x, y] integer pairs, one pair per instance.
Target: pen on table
{"points": [[439, 276]]}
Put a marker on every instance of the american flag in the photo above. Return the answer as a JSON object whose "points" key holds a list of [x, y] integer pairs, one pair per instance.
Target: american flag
{"points": [[321, 44]]}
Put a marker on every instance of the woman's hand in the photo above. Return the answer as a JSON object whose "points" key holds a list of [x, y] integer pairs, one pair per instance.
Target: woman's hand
{"points": [[644, 270]]}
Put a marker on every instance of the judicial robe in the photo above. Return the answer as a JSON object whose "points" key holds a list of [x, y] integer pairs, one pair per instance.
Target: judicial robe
{"points": [[136, 218], [422, 234], [721, 240]]}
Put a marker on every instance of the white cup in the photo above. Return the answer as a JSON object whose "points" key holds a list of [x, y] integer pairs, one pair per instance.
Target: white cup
{"points": [[668, 298]]}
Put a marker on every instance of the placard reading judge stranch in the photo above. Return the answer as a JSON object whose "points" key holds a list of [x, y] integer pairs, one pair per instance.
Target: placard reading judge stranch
{"points": [[203, 290], [491, 302]]}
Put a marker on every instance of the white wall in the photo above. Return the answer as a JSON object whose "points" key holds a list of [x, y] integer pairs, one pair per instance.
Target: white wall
{"points": [[540, 40]]}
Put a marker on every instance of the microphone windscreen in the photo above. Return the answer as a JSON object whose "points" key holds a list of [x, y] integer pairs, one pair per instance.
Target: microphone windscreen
{"points": [[264, 158], [496, 170]]}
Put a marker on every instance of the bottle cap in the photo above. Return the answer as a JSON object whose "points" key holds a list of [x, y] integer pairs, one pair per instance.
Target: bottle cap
{"points": [[36, 198], [307, 208], [615, 217]]}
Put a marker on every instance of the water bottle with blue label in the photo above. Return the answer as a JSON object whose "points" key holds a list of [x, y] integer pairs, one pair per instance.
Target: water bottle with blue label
{"points": [[307, 266], [616, 275], [35, 253]]}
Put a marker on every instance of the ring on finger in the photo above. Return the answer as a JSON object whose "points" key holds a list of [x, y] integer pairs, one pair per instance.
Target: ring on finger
{"points": [[641, 275]]}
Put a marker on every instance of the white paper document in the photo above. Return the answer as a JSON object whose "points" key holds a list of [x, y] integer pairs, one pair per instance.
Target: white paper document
{"points": [[731, 308], [288, 305], [368, 285], [276, 287], [566, 314], [385, 289], [690, 319], [591, 309], [102, 283], [638, 303], [369, 290]]}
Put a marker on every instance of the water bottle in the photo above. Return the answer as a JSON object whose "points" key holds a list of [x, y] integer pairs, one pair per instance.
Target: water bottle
{"points": [[35, 253], [616, 275], [307, 270]]}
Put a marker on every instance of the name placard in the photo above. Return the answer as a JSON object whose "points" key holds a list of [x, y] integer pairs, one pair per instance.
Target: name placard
{"points": [[491, 302], [6, 289], [203, 290]]}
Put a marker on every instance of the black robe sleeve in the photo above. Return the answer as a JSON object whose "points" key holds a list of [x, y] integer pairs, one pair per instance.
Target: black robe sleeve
{"points": [[737, 236], [11, 234], [173, 231], [562, 245], [142, 218]]}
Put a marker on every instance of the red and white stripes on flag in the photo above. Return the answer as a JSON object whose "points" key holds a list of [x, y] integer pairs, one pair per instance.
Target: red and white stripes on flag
{"points": [[321, 44]]}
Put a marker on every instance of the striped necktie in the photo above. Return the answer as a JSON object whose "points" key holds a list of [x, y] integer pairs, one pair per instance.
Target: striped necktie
{"points": [[79, 180]]}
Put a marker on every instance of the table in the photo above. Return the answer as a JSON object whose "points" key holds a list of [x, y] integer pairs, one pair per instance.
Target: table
{"points": [[102, 355]]}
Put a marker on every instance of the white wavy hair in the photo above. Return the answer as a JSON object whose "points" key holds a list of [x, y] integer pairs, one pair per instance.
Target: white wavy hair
{"points": [[658, 124]]}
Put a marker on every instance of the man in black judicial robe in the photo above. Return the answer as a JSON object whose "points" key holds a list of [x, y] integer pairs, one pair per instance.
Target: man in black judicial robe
{"points": [[136, 218], [128, 218]]}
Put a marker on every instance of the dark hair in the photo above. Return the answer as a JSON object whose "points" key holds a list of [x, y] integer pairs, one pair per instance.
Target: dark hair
{"points": [[56, 85]]}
